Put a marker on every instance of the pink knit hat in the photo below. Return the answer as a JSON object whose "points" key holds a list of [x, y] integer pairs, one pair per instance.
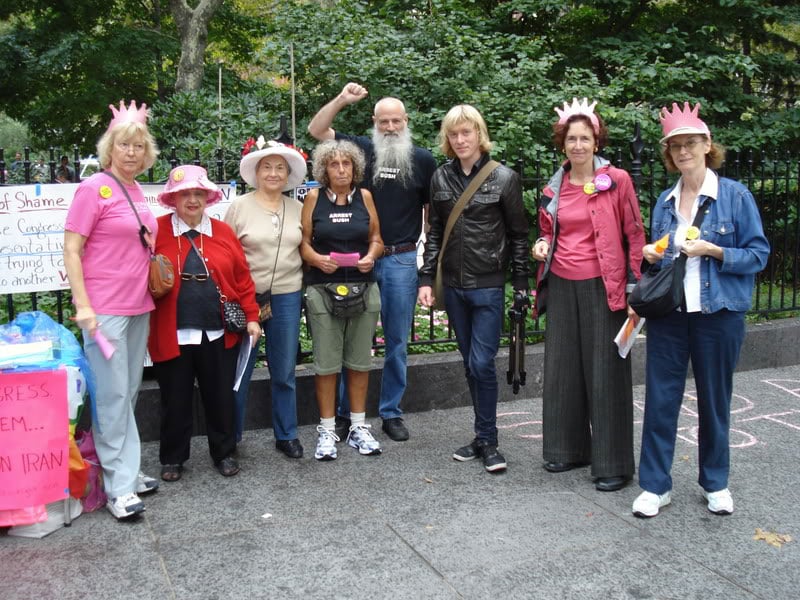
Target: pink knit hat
{"points": [[188, 177]]}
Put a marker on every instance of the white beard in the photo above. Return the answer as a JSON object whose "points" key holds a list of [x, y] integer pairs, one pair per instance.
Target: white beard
{"points": [[394, 157]]}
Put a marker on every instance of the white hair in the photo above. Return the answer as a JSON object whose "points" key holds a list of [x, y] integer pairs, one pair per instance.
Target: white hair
{"points": [[394, 156]]}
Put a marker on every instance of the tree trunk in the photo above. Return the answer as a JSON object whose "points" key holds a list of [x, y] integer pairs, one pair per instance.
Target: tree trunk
{"points": [[193, 29]]}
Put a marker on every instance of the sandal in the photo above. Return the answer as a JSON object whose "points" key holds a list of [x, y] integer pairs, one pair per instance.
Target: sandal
{"points": [[228, 467], [171, 472]]}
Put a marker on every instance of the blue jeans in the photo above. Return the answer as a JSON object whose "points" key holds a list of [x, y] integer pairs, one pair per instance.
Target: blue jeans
{"points": [[477, 317], [712, 343], [281, 334], [398, 282]]}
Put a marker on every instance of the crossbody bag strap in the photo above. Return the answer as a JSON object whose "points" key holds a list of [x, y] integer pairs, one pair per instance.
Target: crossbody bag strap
{"points": [[142, 228], [698, 220], [461, 204], [222, 297], [127, 196]]}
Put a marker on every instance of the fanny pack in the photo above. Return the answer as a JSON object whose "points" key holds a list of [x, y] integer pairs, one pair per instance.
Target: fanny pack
{"points": [[346, 300]]}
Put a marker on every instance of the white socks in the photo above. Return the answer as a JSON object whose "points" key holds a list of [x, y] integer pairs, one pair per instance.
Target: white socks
{"points": [[358, 418]]}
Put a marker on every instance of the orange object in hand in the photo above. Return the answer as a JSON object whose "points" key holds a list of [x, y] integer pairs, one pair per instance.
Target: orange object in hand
{"points": [[661, 244]]}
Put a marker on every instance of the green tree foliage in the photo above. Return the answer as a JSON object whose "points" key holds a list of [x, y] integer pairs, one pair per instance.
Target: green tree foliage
{"points": [[63, 61]]}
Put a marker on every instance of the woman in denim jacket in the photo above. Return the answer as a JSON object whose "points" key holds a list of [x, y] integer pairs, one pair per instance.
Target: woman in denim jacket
{"points": [[725, 253]]}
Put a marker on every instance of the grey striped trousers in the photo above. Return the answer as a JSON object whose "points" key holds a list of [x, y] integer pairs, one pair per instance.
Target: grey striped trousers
{"points": [[587, 400]]}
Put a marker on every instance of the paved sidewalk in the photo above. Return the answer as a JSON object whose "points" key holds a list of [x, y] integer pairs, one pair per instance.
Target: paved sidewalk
{"points": [[413, 523]]}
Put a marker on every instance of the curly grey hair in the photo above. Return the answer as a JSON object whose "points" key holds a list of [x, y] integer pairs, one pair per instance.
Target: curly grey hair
{"points": [[325, 151]]}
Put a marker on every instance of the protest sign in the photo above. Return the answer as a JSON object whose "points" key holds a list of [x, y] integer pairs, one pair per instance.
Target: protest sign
{"points": [[34, 437], [32, 232]]}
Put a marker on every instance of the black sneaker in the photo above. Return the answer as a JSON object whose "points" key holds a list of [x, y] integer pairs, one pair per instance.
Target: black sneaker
{"points": [[493, 461], [468, 452], [342, 428], [396, 429]]}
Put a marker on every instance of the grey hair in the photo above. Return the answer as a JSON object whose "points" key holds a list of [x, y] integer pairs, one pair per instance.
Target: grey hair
{"points": [[325, 151]]}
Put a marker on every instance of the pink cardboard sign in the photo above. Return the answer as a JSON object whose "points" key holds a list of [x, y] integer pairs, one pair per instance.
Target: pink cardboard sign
{"points": [[346, 259], [34, 437]]}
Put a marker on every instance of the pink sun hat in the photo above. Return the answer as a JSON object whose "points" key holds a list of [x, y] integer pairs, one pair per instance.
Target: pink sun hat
{"points": [[188, 177]]}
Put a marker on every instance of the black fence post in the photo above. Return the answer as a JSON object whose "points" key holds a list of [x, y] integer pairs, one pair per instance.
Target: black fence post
{"points": [[637, 145], [173, 158], [76, 164], [52, 165], [26, 163], [283, 134], [220, 165]]}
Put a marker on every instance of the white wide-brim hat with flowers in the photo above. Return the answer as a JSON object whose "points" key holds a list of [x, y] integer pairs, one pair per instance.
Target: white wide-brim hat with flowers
{"points": [[188, 177], [256, 150]]}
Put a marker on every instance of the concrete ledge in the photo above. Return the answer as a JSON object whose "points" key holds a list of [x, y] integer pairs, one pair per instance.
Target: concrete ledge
{"points": [[436, 381]]}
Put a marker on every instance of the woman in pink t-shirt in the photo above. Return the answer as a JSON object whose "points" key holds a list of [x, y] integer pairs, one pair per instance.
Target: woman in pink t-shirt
{"points": [[108, 236], [590, 229]]}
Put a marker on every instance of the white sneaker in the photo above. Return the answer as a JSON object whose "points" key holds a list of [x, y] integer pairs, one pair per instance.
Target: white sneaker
{"points": [[648, 504], [146, 484], [719, 503], [326, 444], [124, 507], [361, 439]]}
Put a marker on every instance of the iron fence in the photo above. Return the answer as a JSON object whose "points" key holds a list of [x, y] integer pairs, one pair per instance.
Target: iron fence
{"points": [[772, 176]]}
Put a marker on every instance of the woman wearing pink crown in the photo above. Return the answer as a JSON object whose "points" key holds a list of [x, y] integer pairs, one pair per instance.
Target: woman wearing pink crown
{"points": [[108, 236], [591, 235], [725, 249]]}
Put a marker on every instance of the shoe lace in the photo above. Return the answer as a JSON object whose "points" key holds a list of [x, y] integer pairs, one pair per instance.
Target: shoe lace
{"points": [[362, 433], [327, 433], [127, 499]]}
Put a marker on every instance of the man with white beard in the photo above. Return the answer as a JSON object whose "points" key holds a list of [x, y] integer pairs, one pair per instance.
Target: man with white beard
{"points": [[398, 174]]}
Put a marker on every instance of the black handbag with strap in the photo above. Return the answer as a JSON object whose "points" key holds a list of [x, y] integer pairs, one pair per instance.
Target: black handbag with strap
{"points": [[660, 291]]}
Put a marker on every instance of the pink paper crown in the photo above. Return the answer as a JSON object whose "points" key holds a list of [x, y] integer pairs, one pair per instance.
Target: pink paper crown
{"points": [[128, 115], [583, 108], [680, 121]]}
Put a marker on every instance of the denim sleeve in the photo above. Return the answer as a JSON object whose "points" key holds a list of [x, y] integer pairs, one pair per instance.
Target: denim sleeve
{"points": [[750, 253]]}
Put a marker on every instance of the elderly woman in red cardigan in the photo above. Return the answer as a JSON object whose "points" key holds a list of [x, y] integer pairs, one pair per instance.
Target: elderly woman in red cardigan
{"points": [[188, 336]]}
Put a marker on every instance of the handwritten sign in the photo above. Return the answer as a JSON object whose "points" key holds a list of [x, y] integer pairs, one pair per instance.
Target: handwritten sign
{"points": [[32, 232], [34, 434]]}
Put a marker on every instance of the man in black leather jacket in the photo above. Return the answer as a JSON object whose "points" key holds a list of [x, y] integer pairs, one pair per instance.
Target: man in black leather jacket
{"points": [[490, 233]]}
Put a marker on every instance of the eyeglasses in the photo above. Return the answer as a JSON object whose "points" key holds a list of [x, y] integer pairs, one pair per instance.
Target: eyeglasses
{"points": [[125, 147], [689, 145], [199, 251], [193, 277]]}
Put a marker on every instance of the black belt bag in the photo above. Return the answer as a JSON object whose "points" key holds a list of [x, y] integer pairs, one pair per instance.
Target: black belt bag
{"points": [[346, 300]]}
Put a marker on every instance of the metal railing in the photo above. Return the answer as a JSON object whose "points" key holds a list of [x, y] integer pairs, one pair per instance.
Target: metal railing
{"points": [[772, 176]]}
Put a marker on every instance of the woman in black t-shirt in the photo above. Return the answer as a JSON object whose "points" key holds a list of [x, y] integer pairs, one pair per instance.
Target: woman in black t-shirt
{"points": [[341, 242]]}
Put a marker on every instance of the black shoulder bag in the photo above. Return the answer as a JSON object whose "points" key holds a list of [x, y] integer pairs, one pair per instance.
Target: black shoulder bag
{"points": [[660, 291]]}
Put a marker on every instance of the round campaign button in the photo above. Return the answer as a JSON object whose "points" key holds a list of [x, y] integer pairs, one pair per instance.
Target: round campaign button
{"points": [[602, 182], [692, 233], [178, 175], [342, 290], [588, 188], [105, 191]]}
